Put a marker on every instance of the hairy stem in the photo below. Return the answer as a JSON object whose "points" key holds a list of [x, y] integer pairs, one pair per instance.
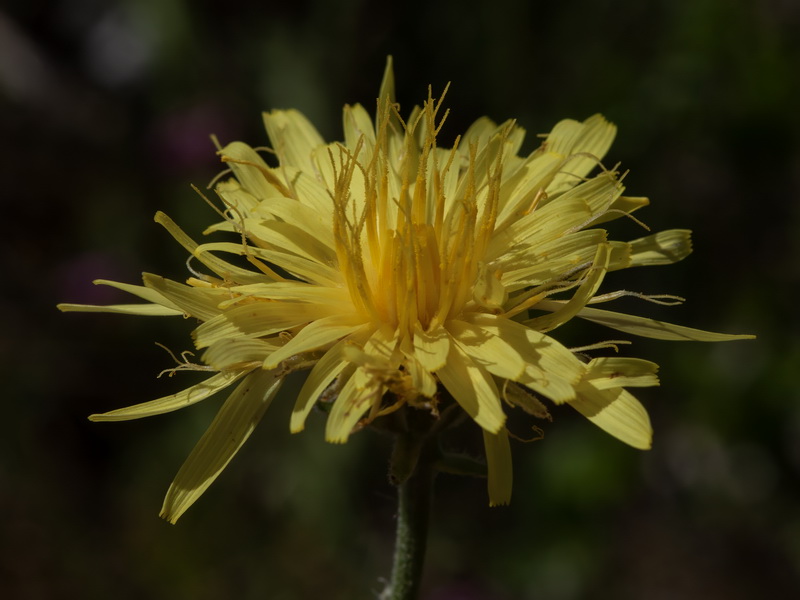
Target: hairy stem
{"points": [[415, 495]]}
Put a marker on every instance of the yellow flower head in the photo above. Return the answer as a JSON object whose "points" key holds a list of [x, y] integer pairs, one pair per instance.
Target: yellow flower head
{"points": [[404, 274]]}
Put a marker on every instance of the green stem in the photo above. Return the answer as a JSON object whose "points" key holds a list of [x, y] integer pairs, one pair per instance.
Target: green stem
{"points": [[415, 496]]}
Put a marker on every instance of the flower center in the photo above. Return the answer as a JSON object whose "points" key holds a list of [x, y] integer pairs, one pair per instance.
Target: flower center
{"points": [[412, 222]]}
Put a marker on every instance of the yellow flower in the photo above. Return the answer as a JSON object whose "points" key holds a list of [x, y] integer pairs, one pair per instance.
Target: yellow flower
{"points": [[403, 274]]}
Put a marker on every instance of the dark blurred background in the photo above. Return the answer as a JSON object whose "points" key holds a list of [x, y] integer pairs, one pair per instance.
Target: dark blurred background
{"points": [[106, 113]]}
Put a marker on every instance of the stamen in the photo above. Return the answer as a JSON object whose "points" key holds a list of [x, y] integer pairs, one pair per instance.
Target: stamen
{"points": [[663, 299], [183, 363], [612, 344]]}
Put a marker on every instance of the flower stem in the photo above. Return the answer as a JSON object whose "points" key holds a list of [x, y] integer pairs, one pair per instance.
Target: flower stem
{"points": [[415, 496]]}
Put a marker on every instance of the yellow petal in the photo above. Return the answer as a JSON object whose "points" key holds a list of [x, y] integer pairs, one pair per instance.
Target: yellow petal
{"points": [[387, 83], [541, 226], [616, 371], [487, 349], [647, 327], [235, 352], [252, 176], [548, 384], [161, 306], [182, 399], [235, 196], [489, 290], [148, 310], [570, 138], [584, 293], [362, 391], [662, 248], [257, 319], [295, 290], [355, 397], [431, 348], [552, 369], [321, 376], [308, 270], [498, 464], [310, 191], [229, 430], [526, 188], [538, 264], [623, 204], [145, 293], [599, 192], [309, 218], [201, 303], [289, 237], [315, 335], [217, 265], [422, 379], [357, 126], [473, 389], [293, 138], [617, 412]]}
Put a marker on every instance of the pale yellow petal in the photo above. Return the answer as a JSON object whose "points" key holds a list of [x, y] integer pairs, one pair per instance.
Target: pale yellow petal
{"points": [[147, 310], [552, 369], [662, 248], [222, 268], [182, 399], [201, 303], [307, 217], [250, 169], [289, 237], [303, 268], [358, 126], [557, 388], [293, 138], [617, 371], [487, 349], [361, 392], [161, 306], [473, 388], [620, 256], [498, 465], [585, 143], [355, 397], [431, 348], [538, 264], [422, 379], [489, 291], [257, 319], [540, 226], [387, 82], [295, 290], [240, 201], [316, 335], [237, 352], [321, 376], [229, 430], [310, 191], [525, 190], [145, 293], [623, 204], [645, 327], [617, 412], [583, 294], [599, 192]]}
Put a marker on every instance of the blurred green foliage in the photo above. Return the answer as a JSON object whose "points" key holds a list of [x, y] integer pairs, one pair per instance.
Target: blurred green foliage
{"points": [[106, 112]]}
